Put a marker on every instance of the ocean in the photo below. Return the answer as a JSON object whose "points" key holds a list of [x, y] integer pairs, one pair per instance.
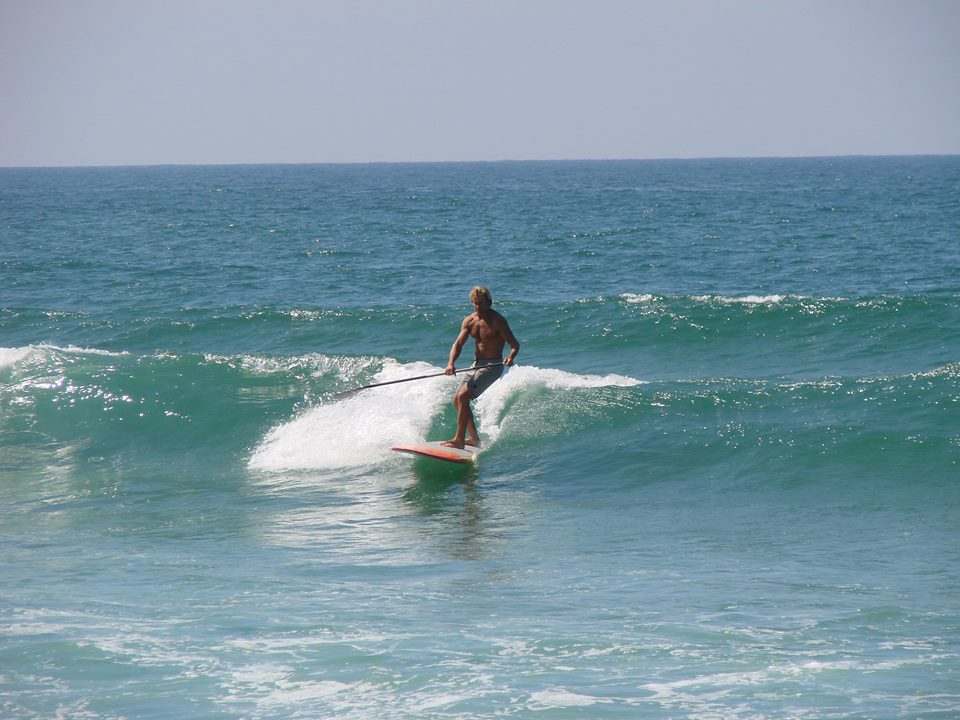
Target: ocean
{"points": [[721, 482]]}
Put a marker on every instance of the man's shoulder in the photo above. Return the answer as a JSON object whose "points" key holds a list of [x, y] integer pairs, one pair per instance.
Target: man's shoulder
{"points": [[498, 318]]}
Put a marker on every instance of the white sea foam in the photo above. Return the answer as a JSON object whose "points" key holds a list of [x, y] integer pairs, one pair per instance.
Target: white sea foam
{"points": [[637, 298], [272, 685], [642, 298], [358, 430], [491, 407], [560, 698], [744, 300], [525, 375], [11, 356], [753, 299], [706, 690]]}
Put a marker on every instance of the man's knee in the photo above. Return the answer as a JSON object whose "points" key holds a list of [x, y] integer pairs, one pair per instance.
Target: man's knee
{"points": [[462, 396]]}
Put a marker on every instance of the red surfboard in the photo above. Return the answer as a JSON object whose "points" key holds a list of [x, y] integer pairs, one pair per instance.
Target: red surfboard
{"points": [[439, 451]]}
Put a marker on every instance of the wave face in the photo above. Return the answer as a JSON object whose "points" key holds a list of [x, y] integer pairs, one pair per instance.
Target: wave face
{"points": [[721, 481], [144, 406]]}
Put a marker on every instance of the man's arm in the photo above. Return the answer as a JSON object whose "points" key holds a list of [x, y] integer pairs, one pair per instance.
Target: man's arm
{"points": [[458, 346], [512, 341]]}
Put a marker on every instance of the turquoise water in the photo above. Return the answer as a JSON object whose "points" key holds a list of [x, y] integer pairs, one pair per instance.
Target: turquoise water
{"points": [[721, 482]]}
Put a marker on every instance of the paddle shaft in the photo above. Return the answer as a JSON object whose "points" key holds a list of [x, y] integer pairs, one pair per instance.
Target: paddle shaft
{"points": [[345, 393]]}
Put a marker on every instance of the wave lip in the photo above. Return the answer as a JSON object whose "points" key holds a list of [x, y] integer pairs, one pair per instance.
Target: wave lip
{"points": [[11, 356], [15, 355], [744, 300], [750, 299]]}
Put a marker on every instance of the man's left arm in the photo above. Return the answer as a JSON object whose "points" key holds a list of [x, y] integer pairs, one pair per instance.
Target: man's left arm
{"points": [[512, 341]]}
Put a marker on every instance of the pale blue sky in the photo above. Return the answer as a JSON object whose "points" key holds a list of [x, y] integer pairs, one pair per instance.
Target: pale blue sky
{"points": [[107, 82]]}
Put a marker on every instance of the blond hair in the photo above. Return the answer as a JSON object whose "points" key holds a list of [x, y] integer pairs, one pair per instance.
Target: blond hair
{"points": [[480, 291]]}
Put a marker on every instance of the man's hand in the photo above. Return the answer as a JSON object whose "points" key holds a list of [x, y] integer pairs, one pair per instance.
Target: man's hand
{"points": [[450, 370]]}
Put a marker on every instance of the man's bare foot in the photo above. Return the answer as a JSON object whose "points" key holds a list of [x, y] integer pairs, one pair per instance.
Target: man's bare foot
{"points": [[472, 442]]}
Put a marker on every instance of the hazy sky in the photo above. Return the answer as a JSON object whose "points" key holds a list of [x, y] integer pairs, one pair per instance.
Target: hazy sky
{"points": [[111, 82]]}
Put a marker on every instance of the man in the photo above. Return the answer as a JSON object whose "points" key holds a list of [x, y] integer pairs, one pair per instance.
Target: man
{"points": [[490, 332]]}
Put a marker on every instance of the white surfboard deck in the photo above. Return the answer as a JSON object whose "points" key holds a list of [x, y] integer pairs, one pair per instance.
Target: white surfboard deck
{"points": [[439, 451]]}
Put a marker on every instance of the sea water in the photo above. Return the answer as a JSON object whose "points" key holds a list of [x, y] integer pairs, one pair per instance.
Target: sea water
{"points": [[723, 480]]}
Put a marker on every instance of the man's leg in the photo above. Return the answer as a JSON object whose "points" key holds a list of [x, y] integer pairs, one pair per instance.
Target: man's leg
{"points": [[466, 426], [472, 437]]}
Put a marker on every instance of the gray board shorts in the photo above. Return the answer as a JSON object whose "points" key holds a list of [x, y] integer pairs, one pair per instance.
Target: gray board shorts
{"points": [[484, 376]]}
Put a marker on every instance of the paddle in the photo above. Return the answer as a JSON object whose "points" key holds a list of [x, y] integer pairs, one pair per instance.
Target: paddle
{"points": [[347, 393]]}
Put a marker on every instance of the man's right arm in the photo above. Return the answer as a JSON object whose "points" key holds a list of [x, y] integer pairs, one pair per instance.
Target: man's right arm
{"points": [[458, 346]]}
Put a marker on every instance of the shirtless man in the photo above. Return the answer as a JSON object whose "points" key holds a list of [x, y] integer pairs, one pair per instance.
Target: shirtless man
{"points": [[490, 332]]}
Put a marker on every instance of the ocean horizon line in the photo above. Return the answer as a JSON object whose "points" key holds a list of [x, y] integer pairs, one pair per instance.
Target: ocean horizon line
{"points": [[499, 161]]}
